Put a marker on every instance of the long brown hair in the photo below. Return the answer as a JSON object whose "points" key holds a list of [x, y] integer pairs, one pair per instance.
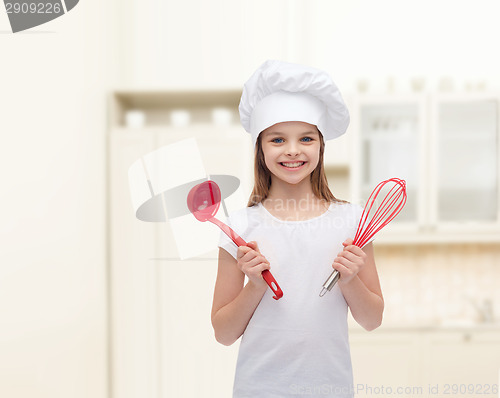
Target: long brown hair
{"points": [[262, 176]]}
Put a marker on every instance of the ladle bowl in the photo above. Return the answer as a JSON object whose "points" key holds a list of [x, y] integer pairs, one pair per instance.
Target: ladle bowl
{"points": [[204, 200]]}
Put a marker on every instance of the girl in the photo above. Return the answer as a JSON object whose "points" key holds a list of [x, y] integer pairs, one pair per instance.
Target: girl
{"points": [[295, 227]]}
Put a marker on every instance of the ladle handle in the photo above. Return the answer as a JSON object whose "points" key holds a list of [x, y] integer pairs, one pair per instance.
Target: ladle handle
{"points": [[271, 282], [229, 232], [266, 274]]}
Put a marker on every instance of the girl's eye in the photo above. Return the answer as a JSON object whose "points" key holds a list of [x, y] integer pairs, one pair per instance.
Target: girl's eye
{"points": [[308, 139], [276, 140]]}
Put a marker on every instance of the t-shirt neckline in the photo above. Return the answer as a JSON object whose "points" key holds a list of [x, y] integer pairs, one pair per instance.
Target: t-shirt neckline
{"points": [[268, 214]]}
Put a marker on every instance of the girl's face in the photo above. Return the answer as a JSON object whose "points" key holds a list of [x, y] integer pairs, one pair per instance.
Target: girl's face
{"points": [[291, 150]]}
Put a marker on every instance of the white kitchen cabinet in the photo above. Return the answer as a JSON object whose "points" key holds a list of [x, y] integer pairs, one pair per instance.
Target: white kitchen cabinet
{"points": [[384, 359], [463, 362], [426, 361], [447, 149]]}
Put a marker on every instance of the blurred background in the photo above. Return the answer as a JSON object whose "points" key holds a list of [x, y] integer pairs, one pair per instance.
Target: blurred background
{"points": [[95, 303]]}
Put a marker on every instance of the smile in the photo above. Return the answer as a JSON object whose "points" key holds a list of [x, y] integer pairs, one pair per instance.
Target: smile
{"points": [[292, 165]]}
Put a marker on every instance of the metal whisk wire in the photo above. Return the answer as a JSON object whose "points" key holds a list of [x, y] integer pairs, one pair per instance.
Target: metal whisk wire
{"points": [[390, 207]]}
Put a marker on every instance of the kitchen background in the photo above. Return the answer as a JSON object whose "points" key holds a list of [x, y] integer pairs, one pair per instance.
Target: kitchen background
{"points": [[95, 303]]}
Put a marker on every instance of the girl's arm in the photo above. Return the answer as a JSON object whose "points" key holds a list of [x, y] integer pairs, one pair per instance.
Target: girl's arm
{"points": [[233, 305], [360, 284]]}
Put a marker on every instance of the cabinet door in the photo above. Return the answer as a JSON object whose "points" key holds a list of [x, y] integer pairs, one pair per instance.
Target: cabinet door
{"points": [[463, 363], [390, 142], [383, 360], [134, 313], [465, 174]]}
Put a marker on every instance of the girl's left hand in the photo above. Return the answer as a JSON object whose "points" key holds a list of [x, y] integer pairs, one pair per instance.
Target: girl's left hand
{"points": [[349, 262]]}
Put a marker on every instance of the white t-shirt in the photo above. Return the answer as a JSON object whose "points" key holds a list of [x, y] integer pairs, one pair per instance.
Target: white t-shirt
{"points": [[297, 345]]}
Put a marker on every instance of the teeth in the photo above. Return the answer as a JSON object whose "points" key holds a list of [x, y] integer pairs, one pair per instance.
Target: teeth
{"points": [[295, 164]]}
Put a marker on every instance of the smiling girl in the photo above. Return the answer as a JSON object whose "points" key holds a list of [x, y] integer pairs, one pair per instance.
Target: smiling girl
{"points": [[297, 345]]}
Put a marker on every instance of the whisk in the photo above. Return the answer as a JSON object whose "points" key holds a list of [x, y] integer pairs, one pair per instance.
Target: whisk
{"points": [[389, 208]]}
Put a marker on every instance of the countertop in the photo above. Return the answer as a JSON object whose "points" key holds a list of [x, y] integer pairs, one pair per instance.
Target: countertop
{"points": [[430, 327]]}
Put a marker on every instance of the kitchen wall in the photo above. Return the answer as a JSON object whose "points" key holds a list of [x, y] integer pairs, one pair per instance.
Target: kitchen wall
{"points": [[439, 284], [55, 79], [386, 44], [53, 287]]}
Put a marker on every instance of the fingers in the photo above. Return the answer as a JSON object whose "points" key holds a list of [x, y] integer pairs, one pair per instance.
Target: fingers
{"points": [[348, 242], [354, 250], [261, 267], [346, 274], [242, 251], [340, 267], [347, 257], [247, 254], [250, 260], [349, 261], [254, 261], [344, 266], [253, 245], [252, 264]]}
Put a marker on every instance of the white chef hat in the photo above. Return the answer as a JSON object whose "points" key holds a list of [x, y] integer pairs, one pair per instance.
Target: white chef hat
{"points": [[283, 92]]}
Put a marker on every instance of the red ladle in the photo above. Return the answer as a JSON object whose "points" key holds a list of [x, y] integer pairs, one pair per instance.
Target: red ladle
{"points": [[203, 201]]}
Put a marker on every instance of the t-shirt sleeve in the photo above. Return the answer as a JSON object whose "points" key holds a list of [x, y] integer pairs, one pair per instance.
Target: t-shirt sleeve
{"points": [[225, 241]]}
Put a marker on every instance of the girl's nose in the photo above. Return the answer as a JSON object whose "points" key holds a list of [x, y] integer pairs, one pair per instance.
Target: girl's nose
{"points": [[292, 149]]}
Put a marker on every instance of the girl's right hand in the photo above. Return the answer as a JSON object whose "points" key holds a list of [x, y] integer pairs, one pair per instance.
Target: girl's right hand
{"points": [[252, 263]]}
